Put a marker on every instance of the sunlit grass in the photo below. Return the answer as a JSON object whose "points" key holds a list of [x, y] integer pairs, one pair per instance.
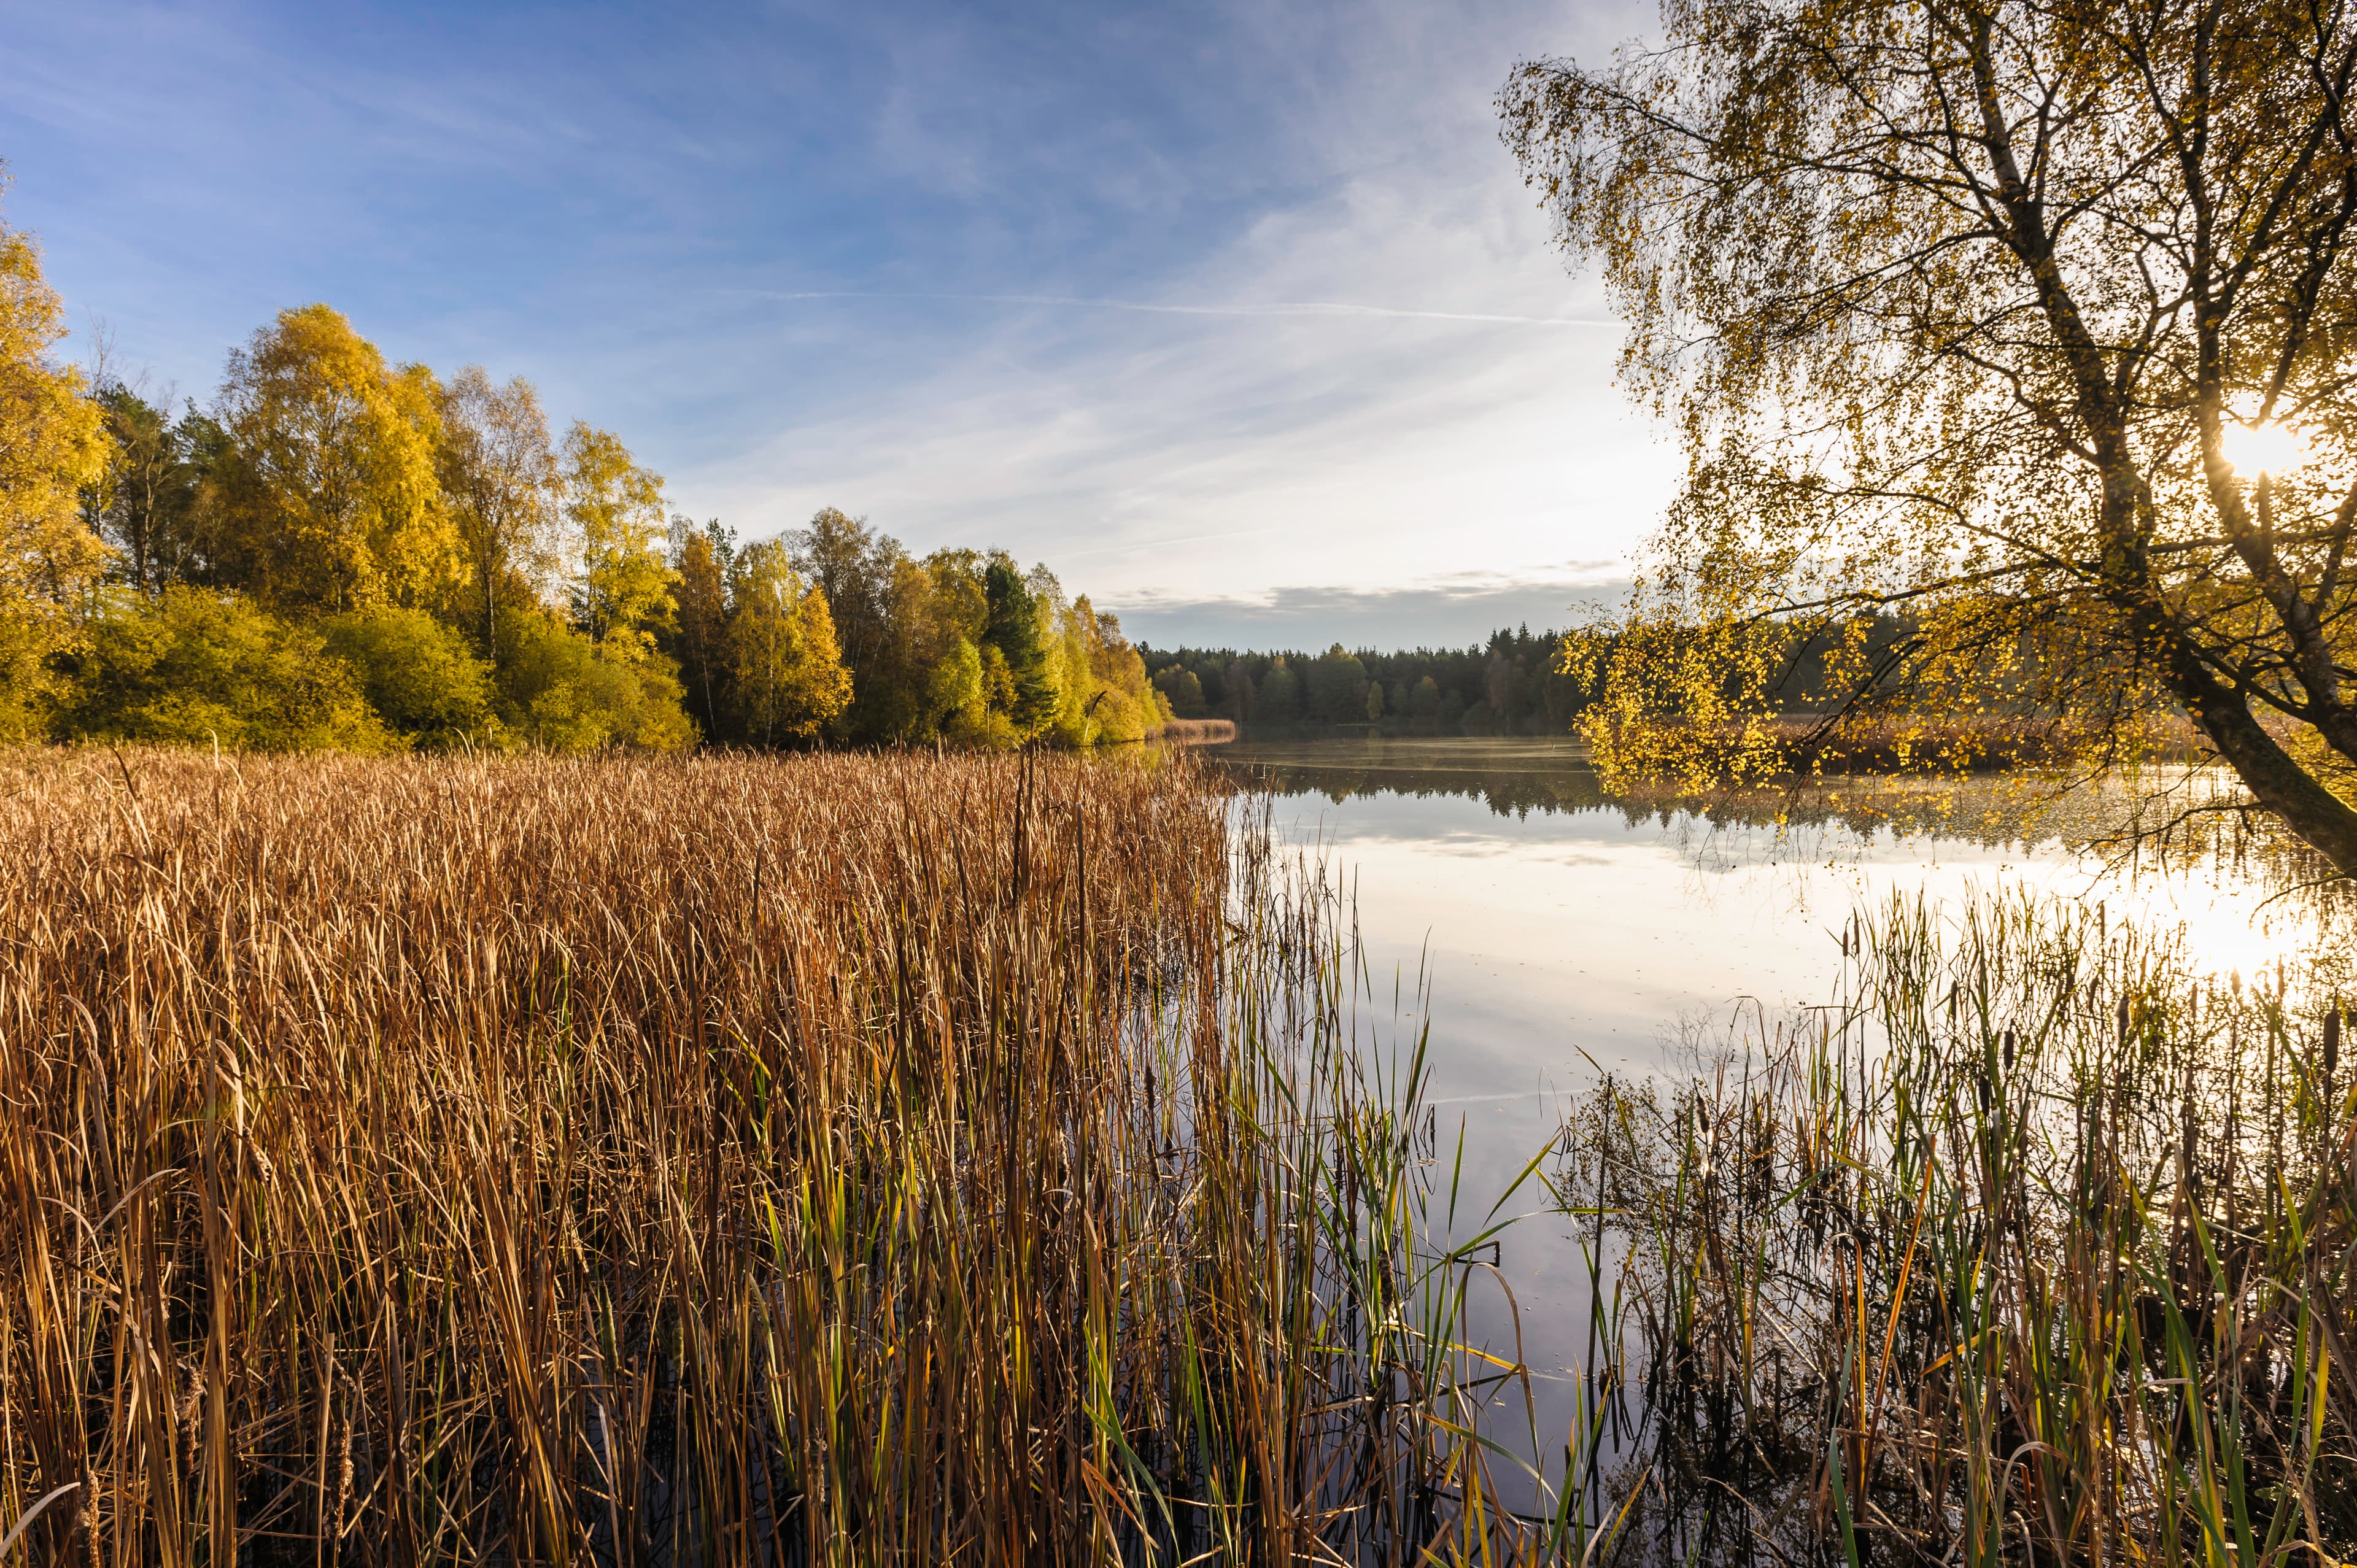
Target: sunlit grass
{"points": [[825, 1159]]}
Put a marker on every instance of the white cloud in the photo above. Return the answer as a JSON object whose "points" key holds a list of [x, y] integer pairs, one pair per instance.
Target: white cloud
{"points": [[1450, 420], [1447, 612], [1196, 304], [1380, 378]]}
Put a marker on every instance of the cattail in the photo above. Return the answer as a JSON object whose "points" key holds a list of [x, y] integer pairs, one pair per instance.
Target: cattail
{"points": [[2331, 1042], [2008, 1050]]}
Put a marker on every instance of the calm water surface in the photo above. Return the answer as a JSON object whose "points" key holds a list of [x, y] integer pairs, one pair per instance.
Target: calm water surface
{"points": [[1563, 934]]}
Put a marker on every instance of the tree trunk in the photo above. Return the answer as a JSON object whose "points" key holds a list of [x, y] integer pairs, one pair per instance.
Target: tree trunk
{"points": [[2323, 819]]}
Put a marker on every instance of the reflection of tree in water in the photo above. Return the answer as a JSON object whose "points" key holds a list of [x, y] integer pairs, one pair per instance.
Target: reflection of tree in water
{"points": [[1982, 810], [2191, 821], [1507, 793]]}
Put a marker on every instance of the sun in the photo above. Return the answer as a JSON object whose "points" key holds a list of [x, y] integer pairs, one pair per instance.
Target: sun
{"points": [[2255, 449]]}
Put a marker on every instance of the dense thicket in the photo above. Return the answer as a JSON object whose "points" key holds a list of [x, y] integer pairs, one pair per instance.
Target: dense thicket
{"points": [[960, 646], [341, 550]]}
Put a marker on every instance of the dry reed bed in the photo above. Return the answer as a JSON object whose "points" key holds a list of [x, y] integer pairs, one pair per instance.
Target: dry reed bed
{"points": [[826, 1159], [2038, 1245]]}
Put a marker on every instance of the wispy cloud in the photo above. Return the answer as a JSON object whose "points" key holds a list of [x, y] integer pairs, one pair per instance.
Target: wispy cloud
{"points": [[1314, 307], [1193, 301]]}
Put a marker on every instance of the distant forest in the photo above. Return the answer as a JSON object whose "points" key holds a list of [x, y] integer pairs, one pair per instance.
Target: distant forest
{"points": [[1510, 686], [1518, 683]]}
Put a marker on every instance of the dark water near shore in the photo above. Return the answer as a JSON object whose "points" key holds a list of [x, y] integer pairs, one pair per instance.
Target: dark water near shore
{"points": [[1563, 933]]}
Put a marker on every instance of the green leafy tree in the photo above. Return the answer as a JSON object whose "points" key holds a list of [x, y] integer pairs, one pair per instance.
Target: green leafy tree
{"points": [[1184, 689], [1280, 699], [1243, 695], [1337, 686], [926, 646], [959, 706], [149, 505], [418, 675], [1011, 628], [560, 692]]}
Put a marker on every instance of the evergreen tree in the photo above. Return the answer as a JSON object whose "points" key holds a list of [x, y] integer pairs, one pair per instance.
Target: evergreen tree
{"points": [[697, 639], [1012, 628]]}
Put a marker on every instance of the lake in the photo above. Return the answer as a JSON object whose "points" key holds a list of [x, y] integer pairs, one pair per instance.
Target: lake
{"points": [[1563, 934]]}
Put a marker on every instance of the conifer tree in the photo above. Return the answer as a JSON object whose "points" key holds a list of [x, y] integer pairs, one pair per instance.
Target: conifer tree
{"points": [[1013, 628]]}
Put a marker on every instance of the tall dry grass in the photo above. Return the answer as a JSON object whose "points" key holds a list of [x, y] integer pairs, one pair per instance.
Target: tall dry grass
{"points": [[831, 1159]]}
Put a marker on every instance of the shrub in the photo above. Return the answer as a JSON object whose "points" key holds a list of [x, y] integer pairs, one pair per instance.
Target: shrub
{"points": [[557, 692], [418, 675], [192, 668]]}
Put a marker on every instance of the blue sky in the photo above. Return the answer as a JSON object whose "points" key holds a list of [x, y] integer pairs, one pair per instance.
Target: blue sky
{"points": [[1238, 316]]}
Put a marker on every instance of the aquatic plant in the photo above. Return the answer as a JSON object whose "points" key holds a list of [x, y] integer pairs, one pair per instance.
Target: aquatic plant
{"points": [[826, 1159], [2038, 1244]]}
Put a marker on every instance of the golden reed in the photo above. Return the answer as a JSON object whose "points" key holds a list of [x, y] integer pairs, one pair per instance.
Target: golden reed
{"points": [[902, 1158]]}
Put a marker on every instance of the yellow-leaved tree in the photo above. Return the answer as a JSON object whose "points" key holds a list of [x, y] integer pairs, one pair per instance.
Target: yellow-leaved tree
{"points": [[51, 446], [616, 506], [2011, 345], [623, 593], [788, 671], [499, 481], [327, 496]]}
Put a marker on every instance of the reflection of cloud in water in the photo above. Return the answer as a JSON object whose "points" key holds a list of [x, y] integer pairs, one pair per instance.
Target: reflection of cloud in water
{"points": [[1863, 819]]}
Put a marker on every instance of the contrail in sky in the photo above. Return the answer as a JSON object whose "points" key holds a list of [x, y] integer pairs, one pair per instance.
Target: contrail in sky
{"points": [[1280, 307]]}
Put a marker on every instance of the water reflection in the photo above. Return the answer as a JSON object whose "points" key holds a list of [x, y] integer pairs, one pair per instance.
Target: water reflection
{"points": [[1515, 779], [1564, 925], [1564, 934]]}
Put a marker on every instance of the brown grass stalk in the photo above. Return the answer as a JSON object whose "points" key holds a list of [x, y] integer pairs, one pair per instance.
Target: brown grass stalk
{"points": [[725, 1161]]}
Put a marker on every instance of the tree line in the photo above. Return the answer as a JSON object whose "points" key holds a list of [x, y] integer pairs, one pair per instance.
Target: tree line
{"points": [[341, 550], [1515, 684]]}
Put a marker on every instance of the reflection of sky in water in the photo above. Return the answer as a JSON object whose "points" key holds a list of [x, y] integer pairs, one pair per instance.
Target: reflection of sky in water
{"points": [[1553, 938], [1559, 932]]}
